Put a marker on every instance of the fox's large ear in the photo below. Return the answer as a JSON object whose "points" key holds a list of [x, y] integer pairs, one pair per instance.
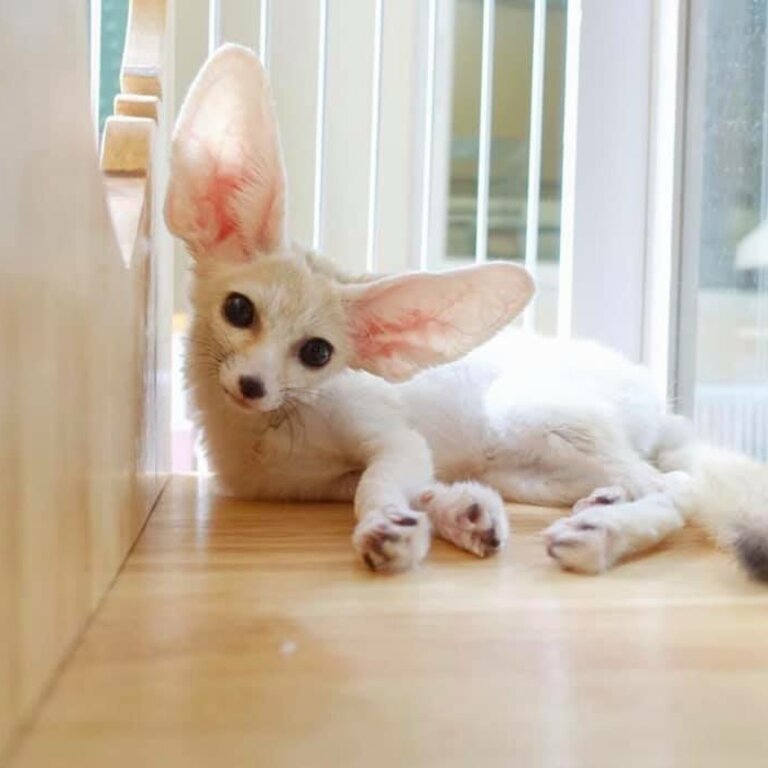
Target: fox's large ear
{"points": [[226, 193], [399, 325]]}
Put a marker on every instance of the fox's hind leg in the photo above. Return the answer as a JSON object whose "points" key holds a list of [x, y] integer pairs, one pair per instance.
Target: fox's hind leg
{"points": [[571, 479], [606, 526], [582, 458], [557, 454]]}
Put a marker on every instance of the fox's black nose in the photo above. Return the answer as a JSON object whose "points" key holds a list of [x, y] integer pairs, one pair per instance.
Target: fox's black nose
{"points": [[251, 387]]}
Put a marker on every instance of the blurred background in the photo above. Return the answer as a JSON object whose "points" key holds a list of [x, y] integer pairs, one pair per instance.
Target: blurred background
{"points": [[433, 136]]}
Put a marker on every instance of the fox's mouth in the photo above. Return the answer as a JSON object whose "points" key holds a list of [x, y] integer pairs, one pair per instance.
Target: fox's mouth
{"points": [[238, 400], [250, 406]]}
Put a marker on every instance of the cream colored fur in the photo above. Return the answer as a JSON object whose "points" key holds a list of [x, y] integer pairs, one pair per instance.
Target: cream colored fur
{"points": [[430, 408]]}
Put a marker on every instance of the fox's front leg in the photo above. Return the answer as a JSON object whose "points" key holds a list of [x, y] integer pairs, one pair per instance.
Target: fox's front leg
{"points": [[390, 534], [468, 514]]}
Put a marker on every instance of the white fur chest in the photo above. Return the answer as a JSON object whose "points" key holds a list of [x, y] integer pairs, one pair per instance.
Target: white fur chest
{"points": [[272, 456]]}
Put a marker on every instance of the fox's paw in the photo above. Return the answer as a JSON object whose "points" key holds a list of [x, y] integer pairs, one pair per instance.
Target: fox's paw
{"points": [[470, 515], [392, 540], [584, 542], [602, 497]]}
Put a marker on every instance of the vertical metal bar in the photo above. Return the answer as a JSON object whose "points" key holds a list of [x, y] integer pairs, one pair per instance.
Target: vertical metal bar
{"points": [[429, 120], [762, 278], [687, 299], [95, 63], [486, 114], [570, 141], [664, 205], [534, 149], [322, 64], [214, 25], [764, 148], [373, 176], [265, 20]]}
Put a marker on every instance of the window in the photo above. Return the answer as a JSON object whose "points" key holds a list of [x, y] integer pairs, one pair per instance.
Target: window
{"points": [[525, 113], [723, 366], [108, 19]]}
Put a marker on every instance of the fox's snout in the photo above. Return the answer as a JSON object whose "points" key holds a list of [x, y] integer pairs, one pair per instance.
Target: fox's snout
{"points": [[251, 387], [252, 380]]}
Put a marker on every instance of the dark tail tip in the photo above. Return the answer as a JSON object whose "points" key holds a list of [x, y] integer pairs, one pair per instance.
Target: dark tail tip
{"points": [[751, 546]]}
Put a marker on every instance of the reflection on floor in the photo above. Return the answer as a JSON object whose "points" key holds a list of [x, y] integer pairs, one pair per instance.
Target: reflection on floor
{"points": [[246, 634]]}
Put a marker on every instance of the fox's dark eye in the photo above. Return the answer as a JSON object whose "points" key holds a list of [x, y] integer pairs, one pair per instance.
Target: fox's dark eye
{"points": [[238, 310], [316, 353]]}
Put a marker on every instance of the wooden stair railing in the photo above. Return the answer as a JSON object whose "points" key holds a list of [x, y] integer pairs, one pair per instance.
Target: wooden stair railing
{"points": [[85, 300]]}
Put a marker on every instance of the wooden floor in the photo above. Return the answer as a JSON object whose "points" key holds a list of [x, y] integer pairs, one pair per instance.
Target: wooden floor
{"points": [[242, 634]]}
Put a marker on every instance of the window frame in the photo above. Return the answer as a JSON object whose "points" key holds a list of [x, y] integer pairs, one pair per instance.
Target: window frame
{"points": [[620, 273]]}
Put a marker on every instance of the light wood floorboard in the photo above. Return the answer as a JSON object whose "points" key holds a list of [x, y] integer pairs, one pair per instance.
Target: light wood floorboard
{"points": [[244, 634]]}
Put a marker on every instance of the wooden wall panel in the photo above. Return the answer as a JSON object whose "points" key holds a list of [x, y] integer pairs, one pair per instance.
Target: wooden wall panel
{"points": [[82, 378]]}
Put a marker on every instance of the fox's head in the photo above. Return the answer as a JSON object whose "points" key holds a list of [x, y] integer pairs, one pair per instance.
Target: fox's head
{"points": [[271, 321]]}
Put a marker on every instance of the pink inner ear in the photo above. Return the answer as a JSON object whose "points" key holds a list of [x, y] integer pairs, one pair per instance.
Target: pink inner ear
{"points": [[227, 199], [267, 234], [376, 338], [218, 196], [400, 324]]}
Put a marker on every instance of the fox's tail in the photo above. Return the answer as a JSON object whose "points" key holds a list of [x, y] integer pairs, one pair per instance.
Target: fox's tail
{"points": [[728, 496]]}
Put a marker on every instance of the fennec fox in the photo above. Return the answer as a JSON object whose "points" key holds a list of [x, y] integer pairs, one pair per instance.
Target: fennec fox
{"points": [[411, 395]]}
